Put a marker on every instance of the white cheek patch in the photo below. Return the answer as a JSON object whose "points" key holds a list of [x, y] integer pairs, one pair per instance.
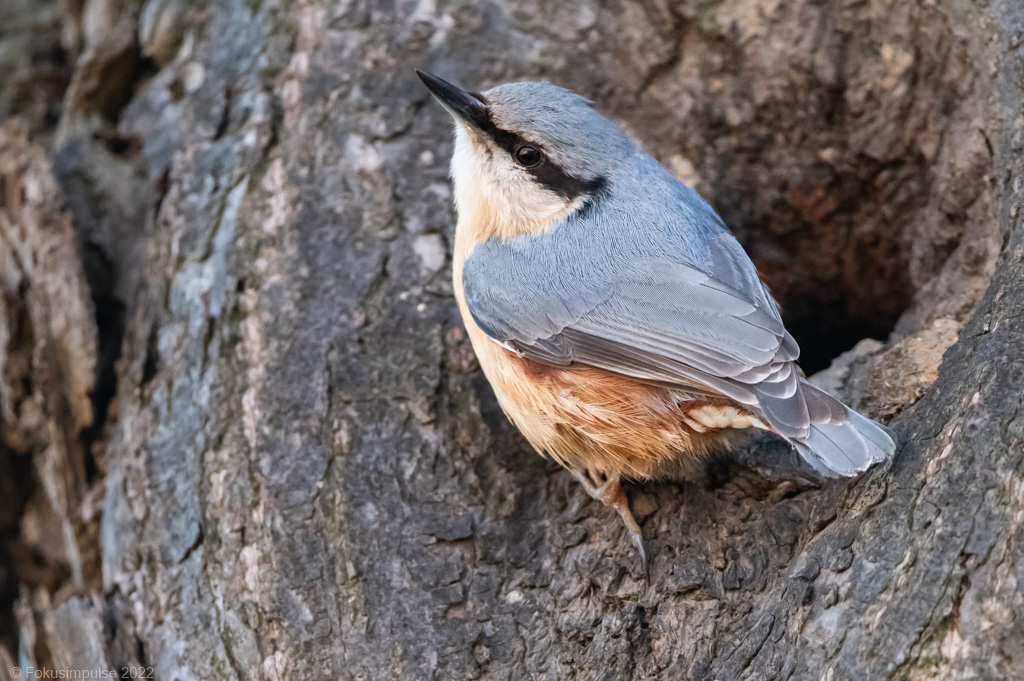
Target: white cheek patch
{"points": [[488, 181]]}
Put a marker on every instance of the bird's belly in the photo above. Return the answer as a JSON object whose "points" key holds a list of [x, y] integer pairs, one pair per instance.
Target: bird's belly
{"points": [[589, 418]]}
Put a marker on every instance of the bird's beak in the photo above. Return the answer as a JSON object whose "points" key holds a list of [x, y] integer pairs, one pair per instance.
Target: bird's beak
{"points": [[462, 105]]}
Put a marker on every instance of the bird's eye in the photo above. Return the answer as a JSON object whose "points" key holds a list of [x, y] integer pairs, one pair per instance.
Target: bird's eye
{"points": [[527, 156]]}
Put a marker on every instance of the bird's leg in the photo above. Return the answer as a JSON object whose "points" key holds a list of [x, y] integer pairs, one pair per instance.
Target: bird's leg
{"points": [[609, 492]]}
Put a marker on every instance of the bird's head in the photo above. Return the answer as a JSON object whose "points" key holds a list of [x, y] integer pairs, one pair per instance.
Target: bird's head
{"points": [[526, 154]]}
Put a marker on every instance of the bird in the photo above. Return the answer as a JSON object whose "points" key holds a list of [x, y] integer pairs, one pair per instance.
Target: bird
{"points": [[622, 327]]}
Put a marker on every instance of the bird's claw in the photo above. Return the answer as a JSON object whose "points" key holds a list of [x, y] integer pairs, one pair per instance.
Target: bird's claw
{"points": [[610, 493], [638, 541]]}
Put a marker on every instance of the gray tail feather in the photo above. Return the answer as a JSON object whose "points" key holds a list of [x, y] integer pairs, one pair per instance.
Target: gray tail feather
{"points": [[843, 446]]}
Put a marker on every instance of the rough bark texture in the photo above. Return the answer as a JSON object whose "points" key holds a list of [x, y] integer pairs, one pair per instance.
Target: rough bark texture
{"points": [[259, 447]]}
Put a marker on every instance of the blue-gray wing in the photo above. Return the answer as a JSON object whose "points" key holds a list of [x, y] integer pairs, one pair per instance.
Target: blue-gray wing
{"points": [[638, 308]]}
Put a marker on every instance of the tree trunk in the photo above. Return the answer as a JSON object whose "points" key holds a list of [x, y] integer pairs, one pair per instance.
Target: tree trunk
{"points": [[258, 443]]}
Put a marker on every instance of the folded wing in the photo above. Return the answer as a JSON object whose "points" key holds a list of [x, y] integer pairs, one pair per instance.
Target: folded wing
{"points": [[657, 319]]}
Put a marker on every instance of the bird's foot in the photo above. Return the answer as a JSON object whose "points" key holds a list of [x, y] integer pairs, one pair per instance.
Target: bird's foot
{"points": [[610, 493]]}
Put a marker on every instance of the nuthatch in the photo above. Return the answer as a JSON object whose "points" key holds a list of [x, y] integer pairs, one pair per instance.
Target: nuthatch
{"points": [[623, 328]]}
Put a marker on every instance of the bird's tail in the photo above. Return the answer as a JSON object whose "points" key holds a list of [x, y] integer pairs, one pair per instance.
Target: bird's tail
{"points": [[841, 442]]}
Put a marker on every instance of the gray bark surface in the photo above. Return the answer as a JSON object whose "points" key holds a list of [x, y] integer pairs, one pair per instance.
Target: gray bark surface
{"points": [[231, 363]]}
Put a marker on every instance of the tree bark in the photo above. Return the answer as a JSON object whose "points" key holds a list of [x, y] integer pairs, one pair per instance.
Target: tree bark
{"points": [[260, 446]]}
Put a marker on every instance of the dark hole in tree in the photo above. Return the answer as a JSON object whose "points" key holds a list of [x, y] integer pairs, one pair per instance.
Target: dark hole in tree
{"points": [[826, 242], [834, 263], [825, 332]]}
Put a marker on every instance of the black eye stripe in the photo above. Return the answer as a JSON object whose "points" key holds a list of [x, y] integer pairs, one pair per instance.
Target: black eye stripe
{"points": [[547, 173], [563, 184]]}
